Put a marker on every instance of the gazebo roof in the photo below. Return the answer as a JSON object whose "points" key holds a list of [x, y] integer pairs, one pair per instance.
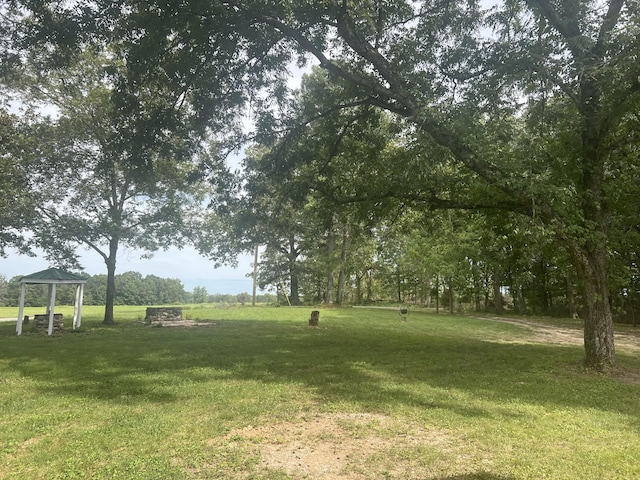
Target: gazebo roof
{"points": [[53, 275]]}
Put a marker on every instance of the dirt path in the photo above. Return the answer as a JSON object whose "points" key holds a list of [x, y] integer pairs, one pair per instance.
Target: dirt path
{"points": [[628, 341], [625, 341]]}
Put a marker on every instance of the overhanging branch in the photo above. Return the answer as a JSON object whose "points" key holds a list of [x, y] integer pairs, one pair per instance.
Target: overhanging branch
{"points": [[430, 201]]}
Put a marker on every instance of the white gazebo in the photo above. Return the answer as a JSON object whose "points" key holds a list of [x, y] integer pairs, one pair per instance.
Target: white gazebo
{"points": [[53, 277]]}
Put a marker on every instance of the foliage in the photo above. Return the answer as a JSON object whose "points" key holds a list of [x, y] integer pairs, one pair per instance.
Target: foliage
{"points": [[18, 193], [524, 118]]}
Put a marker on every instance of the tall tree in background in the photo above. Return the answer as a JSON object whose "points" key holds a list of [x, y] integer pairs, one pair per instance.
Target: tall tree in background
{"points": [[94, 194], [319, 150]]}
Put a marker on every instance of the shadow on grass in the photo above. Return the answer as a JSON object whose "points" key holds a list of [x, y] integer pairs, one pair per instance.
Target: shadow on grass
{"points": [[384, 365]]}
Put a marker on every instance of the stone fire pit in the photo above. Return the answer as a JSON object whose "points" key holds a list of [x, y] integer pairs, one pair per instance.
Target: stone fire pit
{"points": [[163, 314]]}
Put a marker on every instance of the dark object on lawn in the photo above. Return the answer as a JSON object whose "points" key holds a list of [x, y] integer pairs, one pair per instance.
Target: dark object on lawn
{"points": [[163, 314], [314, 319], [403, 313], [41, 322]]}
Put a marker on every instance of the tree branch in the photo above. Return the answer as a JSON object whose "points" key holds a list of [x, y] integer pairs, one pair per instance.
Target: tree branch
{"points": [[567, 27], [430, 200], [608, 23], [325, 62]]}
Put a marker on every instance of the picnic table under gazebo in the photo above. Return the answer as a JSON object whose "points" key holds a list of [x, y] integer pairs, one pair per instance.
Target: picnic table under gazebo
{"points": [[52, 277]]}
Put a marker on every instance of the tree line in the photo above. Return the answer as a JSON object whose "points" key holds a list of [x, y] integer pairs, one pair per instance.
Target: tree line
{"points": [[475, 151], [132, 288]]}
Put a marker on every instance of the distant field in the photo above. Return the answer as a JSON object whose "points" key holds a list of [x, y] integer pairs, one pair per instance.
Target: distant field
{"points": [[93, 313], [254, 393]]}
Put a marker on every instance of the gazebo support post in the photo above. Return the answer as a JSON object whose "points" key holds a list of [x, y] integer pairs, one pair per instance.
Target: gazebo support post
{"points": [[50, 293], [77, 306], [52, 303], [20, 309]]}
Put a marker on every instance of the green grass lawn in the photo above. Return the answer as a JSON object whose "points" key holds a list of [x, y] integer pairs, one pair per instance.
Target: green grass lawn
{"points": [[257, 394]]}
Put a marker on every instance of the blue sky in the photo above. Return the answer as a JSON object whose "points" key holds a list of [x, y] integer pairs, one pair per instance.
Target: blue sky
{"points": [[186, 265]]}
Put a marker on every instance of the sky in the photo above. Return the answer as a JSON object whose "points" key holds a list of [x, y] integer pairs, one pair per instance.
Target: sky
{"points": [[186, 264]]}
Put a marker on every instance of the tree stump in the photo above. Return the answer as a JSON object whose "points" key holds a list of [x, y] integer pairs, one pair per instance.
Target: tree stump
{"points": [[314, 318]]}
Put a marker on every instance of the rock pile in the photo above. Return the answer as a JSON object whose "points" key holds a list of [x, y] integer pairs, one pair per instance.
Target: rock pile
{"points": [[163, 314], [41, 322]]}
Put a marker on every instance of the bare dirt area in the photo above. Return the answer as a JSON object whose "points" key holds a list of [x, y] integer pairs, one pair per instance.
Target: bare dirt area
{"points": [[346, 447], [540, 333], [627, 341]]}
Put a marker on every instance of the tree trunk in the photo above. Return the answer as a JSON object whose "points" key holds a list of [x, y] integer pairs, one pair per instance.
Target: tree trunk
{"points": [[485, 282], [342, 275], [359, 296], [331, 245], [437, 294], [425, 293], [571, 300], [598, 323], [342, 279], [476, 285], [111, 282], [255, 275], [294, 295], [497, 293], [542, 283], [521, 306]]}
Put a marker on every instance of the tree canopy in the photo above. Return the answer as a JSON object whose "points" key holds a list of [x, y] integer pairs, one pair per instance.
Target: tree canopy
{"points": [[93, 190]]}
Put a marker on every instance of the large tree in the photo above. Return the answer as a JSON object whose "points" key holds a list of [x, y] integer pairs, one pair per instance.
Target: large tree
{"points": [[525, 103], [94, 192]]}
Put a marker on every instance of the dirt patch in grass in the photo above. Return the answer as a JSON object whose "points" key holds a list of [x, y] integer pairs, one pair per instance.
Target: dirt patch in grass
{"points": [[626, 341], [348, 447], [628, 375]]}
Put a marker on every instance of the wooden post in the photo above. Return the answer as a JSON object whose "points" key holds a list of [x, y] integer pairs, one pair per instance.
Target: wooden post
{"points": [[314, 319], [52, 304], [20, 310]]}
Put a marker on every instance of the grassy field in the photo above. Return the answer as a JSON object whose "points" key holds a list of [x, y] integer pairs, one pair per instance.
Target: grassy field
{"points": [[254, 393]]}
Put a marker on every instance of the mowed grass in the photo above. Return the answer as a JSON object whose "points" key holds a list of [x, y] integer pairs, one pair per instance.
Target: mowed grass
{"points": [[436, 397]]}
